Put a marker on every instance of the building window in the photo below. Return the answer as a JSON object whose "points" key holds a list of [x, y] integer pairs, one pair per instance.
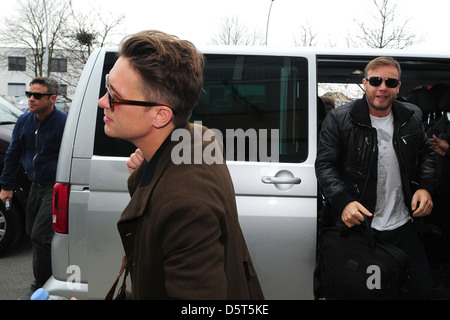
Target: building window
{"points": [[16, 89], [58, 65], [17, 63], [62, 89]]}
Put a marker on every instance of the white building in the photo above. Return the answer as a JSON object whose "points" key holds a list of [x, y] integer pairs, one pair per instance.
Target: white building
{"points": [[16, 73]]}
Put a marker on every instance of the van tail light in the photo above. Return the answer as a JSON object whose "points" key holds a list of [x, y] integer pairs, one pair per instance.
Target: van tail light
{"points": [[61, 208]]}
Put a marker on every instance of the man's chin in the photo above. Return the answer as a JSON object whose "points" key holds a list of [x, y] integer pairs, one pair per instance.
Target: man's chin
{"points": [[381, 108]]}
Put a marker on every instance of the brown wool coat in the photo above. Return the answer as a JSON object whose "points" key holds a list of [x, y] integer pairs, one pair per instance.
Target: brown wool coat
{"points": [[181, 233]]}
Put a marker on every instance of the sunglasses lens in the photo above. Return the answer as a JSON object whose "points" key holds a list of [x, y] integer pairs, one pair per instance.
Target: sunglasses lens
{"points": [[36, 95], [375, 81], [391, 83], [110, 99], [110, 96]]}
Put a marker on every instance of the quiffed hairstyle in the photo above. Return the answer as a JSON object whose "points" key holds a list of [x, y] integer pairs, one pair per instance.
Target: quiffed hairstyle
{"points": [[171, 70], [51, 84], [383, 61]]}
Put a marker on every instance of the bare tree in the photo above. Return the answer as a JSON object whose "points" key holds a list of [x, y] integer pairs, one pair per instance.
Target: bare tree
{"points": [[385, 29], [308, 37], [233, 32], [28, 30], [72, 37], [89, 31]]}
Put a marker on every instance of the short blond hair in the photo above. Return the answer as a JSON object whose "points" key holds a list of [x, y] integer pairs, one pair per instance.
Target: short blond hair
{"points": [[383, 61]]}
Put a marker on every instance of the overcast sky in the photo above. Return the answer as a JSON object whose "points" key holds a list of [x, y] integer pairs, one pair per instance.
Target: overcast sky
{"points": [[199, 20]]}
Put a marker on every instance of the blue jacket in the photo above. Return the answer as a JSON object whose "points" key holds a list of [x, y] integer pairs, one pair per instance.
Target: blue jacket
{"points": [[35, 145]]}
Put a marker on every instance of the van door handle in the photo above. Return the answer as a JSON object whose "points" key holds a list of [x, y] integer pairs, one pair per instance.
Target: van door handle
{"points": [[276, 180], [282, 177]]}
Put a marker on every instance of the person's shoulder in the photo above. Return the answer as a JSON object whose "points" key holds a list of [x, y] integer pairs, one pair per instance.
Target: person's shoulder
{"points": [[407, 107], [27, 116], [61, 114], [339, 113]]}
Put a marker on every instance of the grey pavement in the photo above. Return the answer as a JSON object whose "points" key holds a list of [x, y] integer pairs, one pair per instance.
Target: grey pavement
{"points": [[16, 271]]}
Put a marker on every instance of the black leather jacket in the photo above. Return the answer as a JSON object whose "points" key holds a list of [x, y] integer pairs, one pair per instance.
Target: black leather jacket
{"points": [[346, 164]]}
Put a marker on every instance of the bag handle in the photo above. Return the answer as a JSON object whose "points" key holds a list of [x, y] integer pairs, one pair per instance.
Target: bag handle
{"points": [[364, 227], [122, 290]]}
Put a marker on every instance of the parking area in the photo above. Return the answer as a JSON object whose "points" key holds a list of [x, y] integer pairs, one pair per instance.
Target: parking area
{"points": [[16, 270]]}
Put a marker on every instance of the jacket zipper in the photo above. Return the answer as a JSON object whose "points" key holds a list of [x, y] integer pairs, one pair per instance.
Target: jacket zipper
{"points": [[397, 148], [371, 156], [37, 150], [403, 138], [367, 144]]}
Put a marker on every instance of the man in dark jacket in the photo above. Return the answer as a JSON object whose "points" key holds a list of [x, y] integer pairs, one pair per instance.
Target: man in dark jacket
{"points": [[180, 231], [374, 160], [35, 143]]}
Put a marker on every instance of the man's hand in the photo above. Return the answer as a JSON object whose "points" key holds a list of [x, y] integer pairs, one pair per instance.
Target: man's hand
{"points": [[135, 160], [439, 145], [422, 198], [6, 194], [353, 214]]}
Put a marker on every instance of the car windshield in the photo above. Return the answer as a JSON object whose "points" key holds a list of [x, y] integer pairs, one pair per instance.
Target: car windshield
{"points": [[8, 112]]}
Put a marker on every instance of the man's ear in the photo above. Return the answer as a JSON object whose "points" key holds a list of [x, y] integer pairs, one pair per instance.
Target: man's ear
{"points": [[163, 117], [53, 98]]}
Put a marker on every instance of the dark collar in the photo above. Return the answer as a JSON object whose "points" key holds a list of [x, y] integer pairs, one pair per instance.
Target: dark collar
{"points": [[360, 111], [150, 167]]}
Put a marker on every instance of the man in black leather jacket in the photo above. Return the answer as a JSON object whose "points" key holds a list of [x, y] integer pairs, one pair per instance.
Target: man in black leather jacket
{"points": [[374, 160]]}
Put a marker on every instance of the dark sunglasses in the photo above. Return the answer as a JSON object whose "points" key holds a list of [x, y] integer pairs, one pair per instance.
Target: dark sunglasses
{"points": [[112, 100], [37, 95], [377, 81]]}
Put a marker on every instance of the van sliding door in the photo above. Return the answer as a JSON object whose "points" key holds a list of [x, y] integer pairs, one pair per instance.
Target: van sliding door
{"points": [[263, 107]]}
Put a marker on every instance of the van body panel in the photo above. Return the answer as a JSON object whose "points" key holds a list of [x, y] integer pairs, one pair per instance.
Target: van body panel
{"points": [[108, 197], [256, 172], [104, 248], [83, 144], [281, 236], [71, 128]]}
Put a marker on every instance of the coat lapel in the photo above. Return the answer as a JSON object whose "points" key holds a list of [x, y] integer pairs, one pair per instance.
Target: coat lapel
{"points": [[143, 181]]}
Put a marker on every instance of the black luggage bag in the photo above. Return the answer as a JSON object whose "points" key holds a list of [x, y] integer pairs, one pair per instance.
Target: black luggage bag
{"points": [[353, 264]]}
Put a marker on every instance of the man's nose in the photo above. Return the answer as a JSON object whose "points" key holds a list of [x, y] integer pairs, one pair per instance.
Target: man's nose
{"points": [[103, 102]]}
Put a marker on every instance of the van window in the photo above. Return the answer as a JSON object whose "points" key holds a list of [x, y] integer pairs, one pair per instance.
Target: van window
{"points": [[257, 95], [261, 96], [104, 145]]}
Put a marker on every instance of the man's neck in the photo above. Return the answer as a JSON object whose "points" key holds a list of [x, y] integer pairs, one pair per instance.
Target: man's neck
{"points": [[44, 113], [151, 143]]}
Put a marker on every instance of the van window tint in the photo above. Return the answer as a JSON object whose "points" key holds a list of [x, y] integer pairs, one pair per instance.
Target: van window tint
{"points": [[263, 98], [104, 145], [257, 95]]}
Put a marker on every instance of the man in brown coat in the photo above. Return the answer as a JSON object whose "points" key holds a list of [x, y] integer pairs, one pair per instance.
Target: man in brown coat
{"points": [[180, 231]]}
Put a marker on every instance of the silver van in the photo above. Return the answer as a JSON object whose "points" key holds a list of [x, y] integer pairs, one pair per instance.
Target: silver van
{"points": [[269, 95]]}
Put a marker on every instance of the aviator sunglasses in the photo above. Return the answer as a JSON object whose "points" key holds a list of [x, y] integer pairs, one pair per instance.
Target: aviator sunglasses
{"points": [[113, 100], [377, 81], [37, 95]]}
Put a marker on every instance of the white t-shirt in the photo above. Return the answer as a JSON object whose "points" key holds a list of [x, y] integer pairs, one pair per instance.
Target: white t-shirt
{"points": [[390, 210]]}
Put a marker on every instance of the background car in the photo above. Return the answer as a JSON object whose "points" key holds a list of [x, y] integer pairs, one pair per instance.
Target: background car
{"points": [[21, 102], [12, 220]]}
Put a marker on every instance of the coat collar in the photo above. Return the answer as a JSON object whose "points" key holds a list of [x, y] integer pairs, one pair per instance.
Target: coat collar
{"points": [[360, 112], [144, 180]]}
